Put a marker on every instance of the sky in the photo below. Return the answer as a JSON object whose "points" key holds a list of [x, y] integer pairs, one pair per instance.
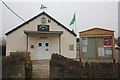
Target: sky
{"points": [[89, 13], [119, 19]]}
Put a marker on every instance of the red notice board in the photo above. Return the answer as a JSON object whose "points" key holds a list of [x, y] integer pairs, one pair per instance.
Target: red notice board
{"points": [[107, 42]]}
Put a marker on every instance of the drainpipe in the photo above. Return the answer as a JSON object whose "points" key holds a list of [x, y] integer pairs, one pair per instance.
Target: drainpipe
{"points": [[27, 43], [59, 44]]}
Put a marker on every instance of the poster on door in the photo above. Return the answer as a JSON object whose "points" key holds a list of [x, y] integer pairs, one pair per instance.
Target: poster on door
{"points": [[107, 42]]}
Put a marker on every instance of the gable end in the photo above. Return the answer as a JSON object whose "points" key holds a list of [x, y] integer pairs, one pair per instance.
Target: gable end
{"points": [[43, 13]]}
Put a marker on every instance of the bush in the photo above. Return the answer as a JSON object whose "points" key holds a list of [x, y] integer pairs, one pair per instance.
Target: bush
{"points": [[28, 63], [3, 50]]}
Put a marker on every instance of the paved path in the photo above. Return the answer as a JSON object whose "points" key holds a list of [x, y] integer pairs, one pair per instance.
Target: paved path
{"points": [[40, 69]]}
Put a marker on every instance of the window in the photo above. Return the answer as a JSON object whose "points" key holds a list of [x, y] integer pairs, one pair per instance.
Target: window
{"points": [[104, 49], [40, 44], [89, 47], [84, 41], [46, 44], [71, 47], [108, 52]]}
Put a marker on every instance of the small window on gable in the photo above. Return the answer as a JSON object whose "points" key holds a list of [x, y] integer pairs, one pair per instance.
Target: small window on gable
{"points": [[43, 27], [71, 47]]}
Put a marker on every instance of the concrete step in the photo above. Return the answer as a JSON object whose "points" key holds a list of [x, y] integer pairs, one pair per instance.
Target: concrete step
{"points": [[40, 62], [40, 69]]}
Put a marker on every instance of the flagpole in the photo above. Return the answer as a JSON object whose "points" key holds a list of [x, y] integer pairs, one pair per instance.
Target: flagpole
{"points": [[75, 21]]}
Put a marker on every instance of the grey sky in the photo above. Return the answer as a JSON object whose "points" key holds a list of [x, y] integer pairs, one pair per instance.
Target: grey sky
{"points": [[88, 14], [119, 19]]}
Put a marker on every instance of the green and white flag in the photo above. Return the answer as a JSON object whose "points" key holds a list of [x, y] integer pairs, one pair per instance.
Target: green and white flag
{"points": [[73, 20]]}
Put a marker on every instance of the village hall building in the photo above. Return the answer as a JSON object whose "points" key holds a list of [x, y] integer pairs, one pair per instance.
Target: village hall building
{"points": [[97, 44], [42, 35]]}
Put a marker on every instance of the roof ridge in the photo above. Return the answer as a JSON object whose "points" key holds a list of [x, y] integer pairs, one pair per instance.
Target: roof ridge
{"points": [[95, 28]]}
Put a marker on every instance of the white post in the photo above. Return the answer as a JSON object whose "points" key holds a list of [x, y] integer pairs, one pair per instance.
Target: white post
{"points": [[75, 23]]}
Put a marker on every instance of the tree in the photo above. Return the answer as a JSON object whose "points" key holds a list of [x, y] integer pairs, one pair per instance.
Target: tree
{"points": [[3, 46], [4, 41]]}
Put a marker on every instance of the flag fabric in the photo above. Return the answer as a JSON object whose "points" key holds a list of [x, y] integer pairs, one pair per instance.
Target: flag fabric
{"points": [[73, 20]]}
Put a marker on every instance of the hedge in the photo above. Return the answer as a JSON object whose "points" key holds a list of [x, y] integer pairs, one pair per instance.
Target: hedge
{"points": [[28, 63]]}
